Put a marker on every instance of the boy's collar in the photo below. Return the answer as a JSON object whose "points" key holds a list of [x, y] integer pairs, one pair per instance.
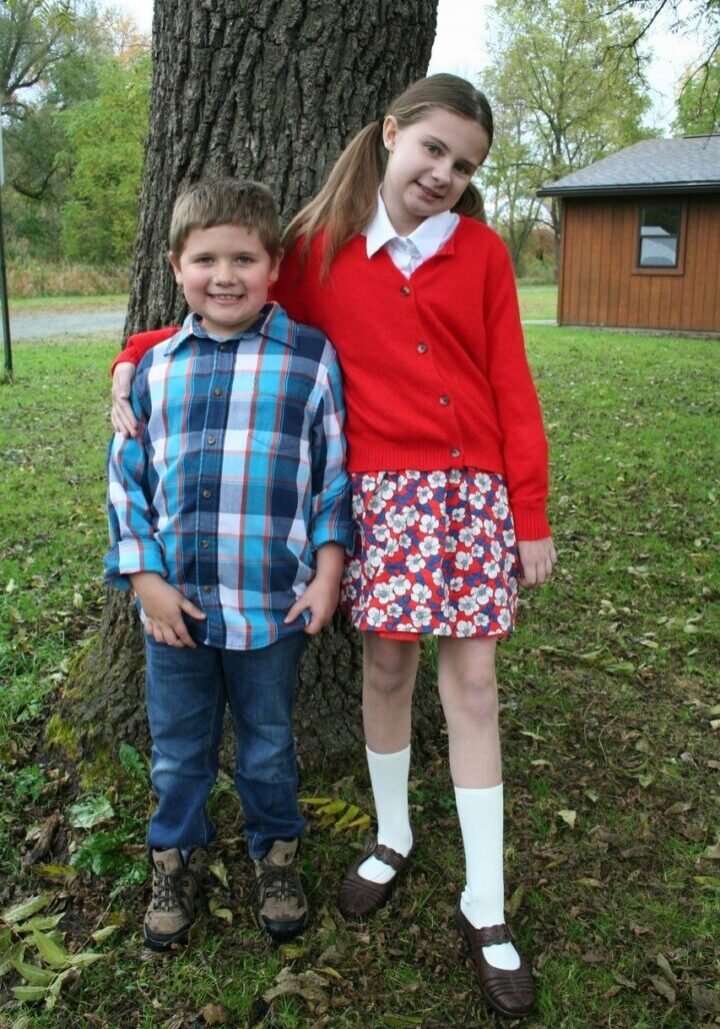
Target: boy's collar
{"points": [[272, 322]]}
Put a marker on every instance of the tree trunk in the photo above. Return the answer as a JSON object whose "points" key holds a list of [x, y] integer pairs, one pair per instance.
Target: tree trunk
{"points": [[271, 90]]}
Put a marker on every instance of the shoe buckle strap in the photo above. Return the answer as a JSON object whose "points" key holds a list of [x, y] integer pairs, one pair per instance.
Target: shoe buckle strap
{"points": [[490, 935]]}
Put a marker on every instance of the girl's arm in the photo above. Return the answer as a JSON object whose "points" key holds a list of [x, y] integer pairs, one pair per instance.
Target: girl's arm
{"points": [[123, 372]]}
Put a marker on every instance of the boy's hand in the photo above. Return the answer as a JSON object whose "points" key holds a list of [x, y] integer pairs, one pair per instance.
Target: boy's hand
{"points": [[122, 415], [163, 606], [321, 599], [537, 558], [321, 596]]}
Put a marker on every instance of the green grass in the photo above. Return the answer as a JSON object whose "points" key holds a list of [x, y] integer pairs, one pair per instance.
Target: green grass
{"points": [[19, 305], [608, 691], [538, 301]]}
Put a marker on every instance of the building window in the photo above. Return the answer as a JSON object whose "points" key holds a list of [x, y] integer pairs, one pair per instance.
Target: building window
{"points": [[659, 235]]}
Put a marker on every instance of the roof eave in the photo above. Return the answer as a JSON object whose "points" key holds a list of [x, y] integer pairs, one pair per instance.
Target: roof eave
{"points": [[630, 189]]}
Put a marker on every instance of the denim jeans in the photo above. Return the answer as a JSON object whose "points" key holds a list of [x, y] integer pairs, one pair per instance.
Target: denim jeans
{"points": [[186, 693]]}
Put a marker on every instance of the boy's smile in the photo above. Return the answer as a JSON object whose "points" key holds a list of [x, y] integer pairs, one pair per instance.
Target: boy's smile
{"points": [[225, 273]]}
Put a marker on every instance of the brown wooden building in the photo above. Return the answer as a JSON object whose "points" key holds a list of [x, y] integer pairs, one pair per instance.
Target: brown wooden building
{"points": [[640, 238]]}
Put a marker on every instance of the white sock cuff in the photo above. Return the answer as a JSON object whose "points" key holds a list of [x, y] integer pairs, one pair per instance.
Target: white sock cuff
{"points": [[372, 755], [479, 792]]}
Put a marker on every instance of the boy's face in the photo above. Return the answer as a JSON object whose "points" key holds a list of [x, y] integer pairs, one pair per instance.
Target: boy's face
{"points": [[225, 272]]}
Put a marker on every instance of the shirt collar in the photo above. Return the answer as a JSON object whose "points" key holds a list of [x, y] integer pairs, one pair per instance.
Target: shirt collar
{"points": [[272, 323], [427, 237]]}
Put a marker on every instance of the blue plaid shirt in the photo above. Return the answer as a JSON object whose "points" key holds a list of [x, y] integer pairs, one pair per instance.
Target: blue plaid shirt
{"points": [[236, 476]]}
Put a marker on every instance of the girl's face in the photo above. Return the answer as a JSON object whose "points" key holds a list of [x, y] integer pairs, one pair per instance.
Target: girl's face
{"points": [[430, 162]]}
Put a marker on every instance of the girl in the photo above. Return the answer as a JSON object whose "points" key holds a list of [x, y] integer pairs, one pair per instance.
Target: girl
{"points": [[448, 461]]}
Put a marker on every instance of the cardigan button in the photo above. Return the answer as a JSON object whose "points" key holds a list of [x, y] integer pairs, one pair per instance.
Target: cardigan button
{"points": [[422, 348], [218, 391], [455, 452], [212, 440], [405, 290], [444, 401], [207, 493]]}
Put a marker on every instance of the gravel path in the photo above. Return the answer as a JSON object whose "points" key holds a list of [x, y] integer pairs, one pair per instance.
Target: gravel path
{"points": [[63, 325]]}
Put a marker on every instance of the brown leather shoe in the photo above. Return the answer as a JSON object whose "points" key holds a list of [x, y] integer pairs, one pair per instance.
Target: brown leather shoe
{"points": [[359, 897], [509, 993]]}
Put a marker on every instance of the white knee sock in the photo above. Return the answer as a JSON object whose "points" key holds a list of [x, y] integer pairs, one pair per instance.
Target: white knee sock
{"points": [[389, 779], [481, 822]]}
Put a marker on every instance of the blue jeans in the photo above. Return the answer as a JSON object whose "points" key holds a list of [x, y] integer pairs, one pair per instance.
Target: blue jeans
{"points": [[186, 693]]}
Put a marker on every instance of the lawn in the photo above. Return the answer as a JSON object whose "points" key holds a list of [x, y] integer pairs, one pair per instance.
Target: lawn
{"points": [[538, 302], [611, 724]]}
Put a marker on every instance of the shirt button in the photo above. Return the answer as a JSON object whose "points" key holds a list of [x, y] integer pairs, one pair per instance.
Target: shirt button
{"points": [[207, 589], [405, 290], [207, 493], [224, 347], [422, 348], [212, 440], [206, 543], [454, 452], [217, 391], [444, 401]]}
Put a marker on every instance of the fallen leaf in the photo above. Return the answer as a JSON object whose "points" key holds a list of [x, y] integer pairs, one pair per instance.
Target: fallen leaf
{"points": [[308, 985], [589, 881], [680, 808], [712, 853], [705, 999], [19, 912], [215, 1014], [219, 870], [663, 988], [593, 957], [568, 816], [513, 905], [102, 934], [664, 965], [49, 950], [707, 880]]}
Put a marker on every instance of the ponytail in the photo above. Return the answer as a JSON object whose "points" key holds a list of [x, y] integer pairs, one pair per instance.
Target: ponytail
{"points": [[347, 201]]}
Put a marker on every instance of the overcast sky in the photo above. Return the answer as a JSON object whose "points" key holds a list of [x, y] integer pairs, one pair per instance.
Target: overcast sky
{"points": [[460, 47]]}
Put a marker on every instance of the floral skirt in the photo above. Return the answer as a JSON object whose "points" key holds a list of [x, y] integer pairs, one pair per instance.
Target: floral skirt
{"points": [[435, 554]]}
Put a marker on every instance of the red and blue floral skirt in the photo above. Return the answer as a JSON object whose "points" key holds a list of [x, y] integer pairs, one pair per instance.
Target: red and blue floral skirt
{"points": [[435, 554]]}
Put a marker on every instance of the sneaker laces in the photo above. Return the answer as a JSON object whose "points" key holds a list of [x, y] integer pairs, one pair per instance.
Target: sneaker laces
{"points": [[277, 882], [165, 895]]}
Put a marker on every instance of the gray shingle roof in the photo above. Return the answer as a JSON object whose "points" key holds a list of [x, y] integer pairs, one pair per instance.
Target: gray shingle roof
{"points": [[690, 164]]}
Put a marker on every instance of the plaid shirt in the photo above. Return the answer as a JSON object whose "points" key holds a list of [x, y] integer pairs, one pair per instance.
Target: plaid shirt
{"points": [[236, 476]]}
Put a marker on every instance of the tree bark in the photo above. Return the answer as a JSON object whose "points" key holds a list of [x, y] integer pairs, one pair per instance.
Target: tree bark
{"points": [[271, 90]]}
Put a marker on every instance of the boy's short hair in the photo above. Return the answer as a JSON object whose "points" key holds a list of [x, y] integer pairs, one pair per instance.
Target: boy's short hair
{"points": [[213, 202]]}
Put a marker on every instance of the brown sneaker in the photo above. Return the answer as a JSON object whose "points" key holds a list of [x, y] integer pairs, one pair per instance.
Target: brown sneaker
{"points": [[175, 895], [277, 898]]}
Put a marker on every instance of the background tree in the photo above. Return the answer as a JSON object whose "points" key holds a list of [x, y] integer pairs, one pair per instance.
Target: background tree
{"points": [[272, 92], [698, 105], [52, 56], [570, 89], [105, 143]]}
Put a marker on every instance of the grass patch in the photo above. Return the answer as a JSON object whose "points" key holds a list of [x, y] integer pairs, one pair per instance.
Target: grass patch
{"points": [[537, 301], [609, 693], [54, 304], [32, 278]]}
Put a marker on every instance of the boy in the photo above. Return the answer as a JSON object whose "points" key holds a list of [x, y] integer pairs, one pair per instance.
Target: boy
{"points": [[229, 514]]}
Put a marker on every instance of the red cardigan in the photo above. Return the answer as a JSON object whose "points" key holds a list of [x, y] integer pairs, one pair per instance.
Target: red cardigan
{"points": [[434, 366]]}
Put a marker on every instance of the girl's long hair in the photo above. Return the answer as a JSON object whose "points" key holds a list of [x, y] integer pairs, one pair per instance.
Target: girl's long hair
{"points": [[347, 201]]}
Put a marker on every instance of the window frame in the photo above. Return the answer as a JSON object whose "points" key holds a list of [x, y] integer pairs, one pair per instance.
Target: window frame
{"points": [[660, 201]]}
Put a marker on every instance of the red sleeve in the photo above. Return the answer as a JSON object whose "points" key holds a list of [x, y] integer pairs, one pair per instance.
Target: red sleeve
{"points": [[525, 446], [139, 343], [294, 287]]}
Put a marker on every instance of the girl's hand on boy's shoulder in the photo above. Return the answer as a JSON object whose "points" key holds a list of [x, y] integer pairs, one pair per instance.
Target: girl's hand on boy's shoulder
{"points": [[537, 558], [122, 415]]}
